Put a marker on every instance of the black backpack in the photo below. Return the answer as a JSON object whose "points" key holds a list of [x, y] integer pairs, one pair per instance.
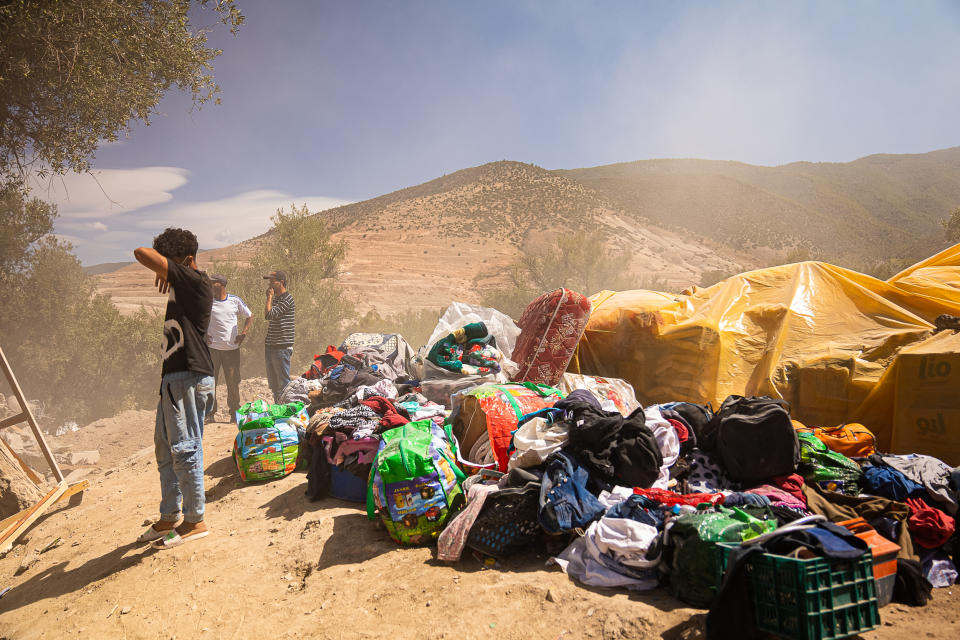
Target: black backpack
{"points": [[697, 416], [755, 438]]}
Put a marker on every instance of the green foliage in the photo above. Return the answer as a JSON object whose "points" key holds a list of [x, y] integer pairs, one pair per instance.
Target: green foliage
{"points": [[951, 227], [415, 325], [70, 348], [300, 244], [23, 221], [801, 254], [73, 74], [513, 298], [711, 277], [579, 261]]}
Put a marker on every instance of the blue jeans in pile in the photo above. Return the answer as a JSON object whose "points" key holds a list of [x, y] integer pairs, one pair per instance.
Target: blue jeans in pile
{"points": [[185, 399]]}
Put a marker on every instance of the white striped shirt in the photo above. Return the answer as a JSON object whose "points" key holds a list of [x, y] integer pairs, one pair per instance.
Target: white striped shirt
{"points": [[281, 316]]}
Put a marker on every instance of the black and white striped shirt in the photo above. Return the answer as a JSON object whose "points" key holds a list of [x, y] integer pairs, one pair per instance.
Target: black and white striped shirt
{"points": [[280, 329]]}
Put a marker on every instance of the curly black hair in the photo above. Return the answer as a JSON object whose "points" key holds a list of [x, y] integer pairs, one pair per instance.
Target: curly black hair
{"points": [[176, 243]]}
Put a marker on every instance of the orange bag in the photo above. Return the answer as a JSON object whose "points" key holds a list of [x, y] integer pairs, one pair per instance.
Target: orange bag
{"points": [[852, 440]]}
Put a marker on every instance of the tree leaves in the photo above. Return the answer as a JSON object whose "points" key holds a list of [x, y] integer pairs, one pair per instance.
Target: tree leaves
{"points": [[23, 221], [300, 244], [75, 73], [580, 261]]}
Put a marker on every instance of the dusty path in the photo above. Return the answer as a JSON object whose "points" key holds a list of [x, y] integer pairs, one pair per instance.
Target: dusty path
{"points": [[278, 566]]}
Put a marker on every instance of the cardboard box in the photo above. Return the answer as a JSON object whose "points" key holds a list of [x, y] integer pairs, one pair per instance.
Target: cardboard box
{"points": [[927, 401]]}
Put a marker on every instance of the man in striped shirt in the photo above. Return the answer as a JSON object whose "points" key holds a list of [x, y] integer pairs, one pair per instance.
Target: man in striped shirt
{"points": [[278, 345]]}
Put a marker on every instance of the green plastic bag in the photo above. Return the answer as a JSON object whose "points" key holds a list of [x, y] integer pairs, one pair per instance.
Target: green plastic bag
{"points": [[694, 558], [267, 442], [415, 482], [261, 409], [830, 470]]}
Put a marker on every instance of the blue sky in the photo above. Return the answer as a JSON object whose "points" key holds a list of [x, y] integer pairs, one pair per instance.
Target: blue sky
{"points": [[325, 103]]}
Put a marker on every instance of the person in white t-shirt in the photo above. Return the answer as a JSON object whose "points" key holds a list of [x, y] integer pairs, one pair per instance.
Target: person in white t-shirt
{"points": [[224, 339]]}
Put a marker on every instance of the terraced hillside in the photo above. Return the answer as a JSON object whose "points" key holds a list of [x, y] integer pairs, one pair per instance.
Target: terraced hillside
{"points": [[424, 246]]}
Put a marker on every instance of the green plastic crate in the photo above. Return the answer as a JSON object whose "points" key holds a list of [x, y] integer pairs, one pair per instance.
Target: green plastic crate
{"points": [[813, 599]]}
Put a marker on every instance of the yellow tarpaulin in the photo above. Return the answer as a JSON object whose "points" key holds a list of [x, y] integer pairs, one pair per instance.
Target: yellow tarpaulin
{"points": [[937, 277], [817, 335]]}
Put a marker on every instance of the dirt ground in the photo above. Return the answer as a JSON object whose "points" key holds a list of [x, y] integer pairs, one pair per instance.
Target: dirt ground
{"points": [[279, 566]]}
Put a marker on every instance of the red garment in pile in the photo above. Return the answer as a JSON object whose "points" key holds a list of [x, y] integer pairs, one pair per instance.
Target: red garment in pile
{"points": [[682, 433], [929, 527], [390, 417], [670, 498], [323, 363], [792, 484]]}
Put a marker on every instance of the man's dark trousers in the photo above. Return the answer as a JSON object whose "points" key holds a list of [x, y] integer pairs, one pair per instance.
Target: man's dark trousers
{"points": [[229, 361]]}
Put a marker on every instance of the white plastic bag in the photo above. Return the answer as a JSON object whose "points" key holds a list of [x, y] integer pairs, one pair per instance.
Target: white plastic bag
{"points": [[499, 325], [614, 394]]}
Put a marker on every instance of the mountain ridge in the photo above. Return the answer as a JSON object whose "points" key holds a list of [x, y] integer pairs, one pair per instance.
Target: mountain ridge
{"points": [[886, 203], [675, 218]]}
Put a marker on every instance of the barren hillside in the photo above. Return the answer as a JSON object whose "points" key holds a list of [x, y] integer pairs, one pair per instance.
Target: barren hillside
{"points": [[877, 207], [423, 246]]}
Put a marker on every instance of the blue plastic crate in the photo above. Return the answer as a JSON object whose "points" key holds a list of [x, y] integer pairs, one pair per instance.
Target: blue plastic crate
{"points": [[346, 486]]}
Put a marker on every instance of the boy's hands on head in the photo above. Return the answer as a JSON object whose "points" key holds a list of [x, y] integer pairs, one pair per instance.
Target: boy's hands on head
{"points": [[161, 284], [151, 259]]}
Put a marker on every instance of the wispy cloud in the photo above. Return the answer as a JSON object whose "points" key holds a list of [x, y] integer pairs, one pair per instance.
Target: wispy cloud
{"points": [[95, 247], [69, 225], [218, 223], [110, 192], [136, 204]]}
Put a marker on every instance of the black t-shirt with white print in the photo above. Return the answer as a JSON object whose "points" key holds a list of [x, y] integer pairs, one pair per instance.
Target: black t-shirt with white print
{"points": [[184, 326]]}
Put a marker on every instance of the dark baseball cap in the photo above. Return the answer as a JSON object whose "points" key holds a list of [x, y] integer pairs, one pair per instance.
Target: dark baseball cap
{"points": [[219, 277], [276, 275]]}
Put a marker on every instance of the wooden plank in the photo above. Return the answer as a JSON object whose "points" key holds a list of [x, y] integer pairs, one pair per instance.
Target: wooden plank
{"points": [[24, 515], [12, 420], [6, 523], [72, 490], [12, 379], [13, 532]]}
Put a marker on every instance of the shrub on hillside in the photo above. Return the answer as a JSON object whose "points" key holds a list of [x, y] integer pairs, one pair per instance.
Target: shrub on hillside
{"points": [[580, 261], [299, 243], [71, 348], [415, 325]]}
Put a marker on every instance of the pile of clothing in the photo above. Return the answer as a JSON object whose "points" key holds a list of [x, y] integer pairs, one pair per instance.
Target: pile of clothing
{"points": [[620, 495], [622, 489], [370, 384], [355, 392]]}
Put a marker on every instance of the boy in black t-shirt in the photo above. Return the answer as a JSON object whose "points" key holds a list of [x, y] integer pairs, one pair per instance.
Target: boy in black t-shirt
{"points": [[186, 387]]}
